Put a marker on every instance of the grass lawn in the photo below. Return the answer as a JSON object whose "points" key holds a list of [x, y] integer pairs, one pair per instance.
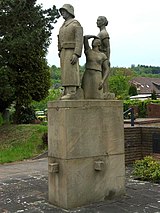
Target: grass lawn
{"points": [[19, 142]]}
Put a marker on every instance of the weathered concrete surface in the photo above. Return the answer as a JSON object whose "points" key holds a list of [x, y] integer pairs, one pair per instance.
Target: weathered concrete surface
{"points": [[24, 188], [86, 144], [79, 129], [78, 182]]}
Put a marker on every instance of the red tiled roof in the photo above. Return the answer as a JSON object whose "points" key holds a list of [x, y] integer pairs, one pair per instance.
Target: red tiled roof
{"points": [[146, 85]]}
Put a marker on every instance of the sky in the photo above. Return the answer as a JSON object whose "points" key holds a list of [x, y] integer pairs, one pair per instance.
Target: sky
{"points": [[134, 29]]}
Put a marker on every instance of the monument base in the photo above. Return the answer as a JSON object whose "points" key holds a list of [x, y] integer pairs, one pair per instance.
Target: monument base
{"points": [[85, 152]]}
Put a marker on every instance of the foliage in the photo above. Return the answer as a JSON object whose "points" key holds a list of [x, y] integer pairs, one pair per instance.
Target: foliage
{"points": [[127, 72], [119, 86], [146, 70], [19, 142], [1, 119], [142, 106], [42, 105], [55, 74], [25, 37], [119, 81], [6, 88], [153, 95], [147, 169], [26, 115], [132, 90]]}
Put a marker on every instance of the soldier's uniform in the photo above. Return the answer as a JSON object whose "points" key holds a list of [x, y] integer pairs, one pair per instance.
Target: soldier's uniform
{"points": [[70, 41]]}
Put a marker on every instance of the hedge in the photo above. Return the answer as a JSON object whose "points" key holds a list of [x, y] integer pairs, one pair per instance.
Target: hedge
{"points": [[142, 106]]}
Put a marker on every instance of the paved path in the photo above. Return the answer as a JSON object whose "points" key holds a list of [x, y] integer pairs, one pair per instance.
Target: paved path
{"points": [[24, 188]]}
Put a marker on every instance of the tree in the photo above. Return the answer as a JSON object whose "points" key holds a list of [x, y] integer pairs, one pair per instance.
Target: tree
{"points": [[6, 88], [132, 90], [24, 39], [118, 81], [153, 95], [55, 74], [118, 84]]}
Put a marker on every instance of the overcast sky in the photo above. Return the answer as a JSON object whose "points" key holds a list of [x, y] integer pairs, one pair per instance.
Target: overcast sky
{"points": [[134, 29]]}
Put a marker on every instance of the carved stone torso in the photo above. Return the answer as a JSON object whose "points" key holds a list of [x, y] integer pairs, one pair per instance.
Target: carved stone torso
{"points": [[105, 44], [71, 36], [94, 60], [93, 74]]}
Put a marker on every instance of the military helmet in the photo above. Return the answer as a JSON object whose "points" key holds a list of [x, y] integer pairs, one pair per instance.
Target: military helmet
{"points": [[69, 8]]}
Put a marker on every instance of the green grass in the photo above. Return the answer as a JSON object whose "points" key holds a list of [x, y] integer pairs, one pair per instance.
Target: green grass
{"points": [[19, 142]]}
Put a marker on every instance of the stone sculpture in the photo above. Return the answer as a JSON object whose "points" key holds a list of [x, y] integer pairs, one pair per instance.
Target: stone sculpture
{"points": [[79, 174], [102, 22], [70, 43], [96, 64]]}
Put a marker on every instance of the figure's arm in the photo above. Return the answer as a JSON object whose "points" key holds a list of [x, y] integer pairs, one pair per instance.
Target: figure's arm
{"points": [[78, 43], [86, 43], [86, 47], [78, 39]]}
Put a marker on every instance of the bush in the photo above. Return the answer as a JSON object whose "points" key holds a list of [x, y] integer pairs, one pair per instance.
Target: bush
{"points": [[132, 90], [147, 169], [142, 106], [26, 116]]}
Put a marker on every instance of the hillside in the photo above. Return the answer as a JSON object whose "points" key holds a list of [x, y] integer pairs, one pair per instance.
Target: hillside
{"points": [[19, 142]]}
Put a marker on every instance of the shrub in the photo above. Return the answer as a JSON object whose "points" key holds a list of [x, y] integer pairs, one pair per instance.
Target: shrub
{"points": [[147, 169], [26, 116], [142, 106], [132, 90]]}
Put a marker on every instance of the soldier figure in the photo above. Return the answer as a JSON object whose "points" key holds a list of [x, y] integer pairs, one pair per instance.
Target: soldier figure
{"points": [[70, 43]]}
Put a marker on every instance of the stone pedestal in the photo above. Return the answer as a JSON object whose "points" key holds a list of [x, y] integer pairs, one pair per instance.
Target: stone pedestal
{"points": [[85, 152]]}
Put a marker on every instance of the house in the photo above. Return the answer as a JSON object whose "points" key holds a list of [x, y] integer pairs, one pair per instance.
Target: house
{"points": [[145, 87]]}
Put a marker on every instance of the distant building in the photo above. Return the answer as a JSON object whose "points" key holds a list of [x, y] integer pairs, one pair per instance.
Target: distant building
{"points": [[145, 87]]}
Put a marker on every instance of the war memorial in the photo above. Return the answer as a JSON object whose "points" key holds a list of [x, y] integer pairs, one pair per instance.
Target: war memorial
{"points": [[85, 127]]}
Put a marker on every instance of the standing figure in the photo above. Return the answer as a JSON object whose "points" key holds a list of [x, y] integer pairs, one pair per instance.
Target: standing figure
{"points": [[70, 43], [102, 22], [96, 63]]}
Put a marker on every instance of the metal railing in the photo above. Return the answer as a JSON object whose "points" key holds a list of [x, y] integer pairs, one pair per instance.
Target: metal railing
{"points": [[130, 110]]}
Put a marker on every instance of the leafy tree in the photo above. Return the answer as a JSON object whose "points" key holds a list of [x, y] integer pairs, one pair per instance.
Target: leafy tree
{"points": [[147, 71], [119, 81], [132, 90], [55, 74], [119, 85], [24, 39], [6, 88]]}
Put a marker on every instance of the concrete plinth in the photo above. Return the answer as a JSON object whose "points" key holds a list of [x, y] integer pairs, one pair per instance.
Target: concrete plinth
{"points": [[86, 152]]}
